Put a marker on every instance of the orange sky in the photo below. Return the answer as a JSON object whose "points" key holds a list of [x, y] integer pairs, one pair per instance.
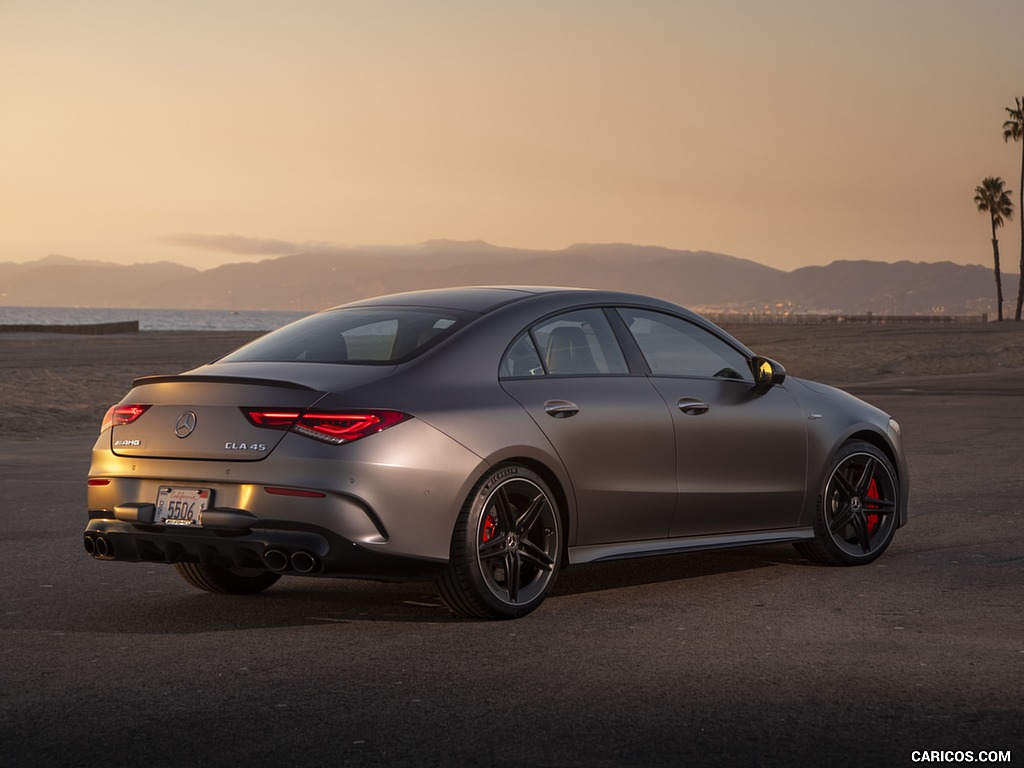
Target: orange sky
{"points": [[791, 133]]}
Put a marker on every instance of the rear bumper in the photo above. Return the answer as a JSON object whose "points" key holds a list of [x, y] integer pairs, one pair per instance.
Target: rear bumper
{"points": [[288, 550], [398, 492]]}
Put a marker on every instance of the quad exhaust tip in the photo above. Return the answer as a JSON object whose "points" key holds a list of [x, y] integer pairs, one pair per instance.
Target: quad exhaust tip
{"points": [[300, 561], [98, 546], [277, 560]]}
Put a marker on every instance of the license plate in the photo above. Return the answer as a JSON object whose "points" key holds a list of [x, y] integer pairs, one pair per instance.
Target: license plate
{"points": [[182, 506]]}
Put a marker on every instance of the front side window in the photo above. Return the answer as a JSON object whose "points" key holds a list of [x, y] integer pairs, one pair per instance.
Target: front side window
{"points": [[364, 335], [675, 347], [577, 343]]}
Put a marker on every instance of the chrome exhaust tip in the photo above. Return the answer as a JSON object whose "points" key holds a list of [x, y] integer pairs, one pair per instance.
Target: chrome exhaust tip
{"points": [[304, 562], [102, 547], [276, 560]]}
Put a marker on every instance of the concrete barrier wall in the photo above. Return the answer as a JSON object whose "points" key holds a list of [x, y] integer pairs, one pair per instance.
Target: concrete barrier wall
{"points": [[127, 326]]}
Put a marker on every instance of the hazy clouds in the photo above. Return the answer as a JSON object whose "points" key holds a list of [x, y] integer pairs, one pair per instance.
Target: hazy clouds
{"points": [[244, 246]]}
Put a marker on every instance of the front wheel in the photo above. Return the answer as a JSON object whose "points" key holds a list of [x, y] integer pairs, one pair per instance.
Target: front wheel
{"points": [[857, 509], [226, 581], [506, 548]]}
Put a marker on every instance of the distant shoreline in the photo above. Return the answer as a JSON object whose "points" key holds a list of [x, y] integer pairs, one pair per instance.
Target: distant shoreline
{"points": [[146, 319]]}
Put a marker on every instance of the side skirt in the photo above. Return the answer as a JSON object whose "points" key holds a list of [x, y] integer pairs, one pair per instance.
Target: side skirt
{"points": [[595, 553]]}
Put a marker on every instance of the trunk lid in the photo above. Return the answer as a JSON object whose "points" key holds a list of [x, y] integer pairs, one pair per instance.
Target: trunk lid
{"points": [[201, 414]]}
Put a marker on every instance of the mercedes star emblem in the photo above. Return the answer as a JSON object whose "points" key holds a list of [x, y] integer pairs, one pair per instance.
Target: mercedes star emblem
{"points": [[185, 424]]}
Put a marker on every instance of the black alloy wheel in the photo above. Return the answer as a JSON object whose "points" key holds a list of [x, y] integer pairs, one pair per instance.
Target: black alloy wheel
{"points": [[857, 509], [507, 547]]}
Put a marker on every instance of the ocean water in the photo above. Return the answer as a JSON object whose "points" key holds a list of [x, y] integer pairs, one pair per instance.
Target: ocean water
{"points": [[152, 319]]}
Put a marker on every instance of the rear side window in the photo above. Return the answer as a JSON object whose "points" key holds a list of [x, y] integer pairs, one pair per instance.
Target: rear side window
{"points": [[522, 359], [575, 343], [362, 335]]}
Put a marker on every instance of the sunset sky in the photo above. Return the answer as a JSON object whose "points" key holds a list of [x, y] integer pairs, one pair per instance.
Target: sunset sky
{"points": [[792, 132]]}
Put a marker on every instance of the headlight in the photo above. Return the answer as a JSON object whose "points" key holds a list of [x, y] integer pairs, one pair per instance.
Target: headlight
{"points": [[894, 426]]}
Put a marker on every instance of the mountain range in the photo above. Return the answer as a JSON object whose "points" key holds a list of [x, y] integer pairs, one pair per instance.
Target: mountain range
{"points": [[709, 282]]}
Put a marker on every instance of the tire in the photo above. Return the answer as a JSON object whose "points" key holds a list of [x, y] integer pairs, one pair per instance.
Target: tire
{"points": [[506, 548], [226, 581], [857, 512]]}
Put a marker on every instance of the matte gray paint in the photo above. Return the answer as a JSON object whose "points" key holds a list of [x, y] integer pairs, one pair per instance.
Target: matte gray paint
{"points": [[619, 450]]}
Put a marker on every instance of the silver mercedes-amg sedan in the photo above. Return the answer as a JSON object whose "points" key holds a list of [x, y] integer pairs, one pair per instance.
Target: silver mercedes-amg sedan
{"points": [[486, 438]]}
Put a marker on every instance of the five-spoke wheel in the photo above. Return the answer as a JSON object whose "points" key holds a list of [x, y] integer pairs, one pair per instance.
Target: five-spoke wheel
{"points": [[857, 509], [507, 546]]}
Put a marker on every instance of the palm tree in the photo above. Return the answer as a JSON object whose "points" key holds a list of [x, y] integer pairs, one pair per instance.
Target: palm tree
{"points": [[992, 198], [1013, 129]]}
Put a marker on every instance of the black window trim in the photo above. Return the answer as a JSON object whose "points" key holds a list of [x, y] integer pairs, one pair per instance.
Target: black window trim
{"points": [[635, 360]]}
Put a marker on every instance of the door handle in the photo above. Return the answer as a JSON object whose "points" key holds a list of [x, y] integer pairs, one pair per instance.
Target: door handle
{"points": [[691, 406], [561, 409]]}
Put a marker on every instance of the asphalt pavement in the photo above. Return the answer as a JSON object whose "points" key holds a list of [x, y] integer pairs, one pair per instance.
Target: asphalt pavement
{"points": [[745, 658]]}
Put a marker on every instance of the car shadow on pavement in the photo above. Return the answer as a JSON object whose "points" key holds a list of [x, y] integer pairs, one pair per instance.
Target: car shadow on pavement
{"points": [[662, 569], [324, 602], [290, 603]]}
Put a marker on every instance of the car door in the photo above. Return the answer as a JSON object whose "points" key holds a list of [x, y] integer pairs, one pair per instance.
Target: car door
{"points": [[610, 428], [741, 456]]}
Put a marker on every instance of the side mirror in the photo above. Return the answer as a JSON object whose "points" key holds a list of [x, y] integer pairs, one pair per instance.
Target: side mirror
{"points": [[767, 373]]}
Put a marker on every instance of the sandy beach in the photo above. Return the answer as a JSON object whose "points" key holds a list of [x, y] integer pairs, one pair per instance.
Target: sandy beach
{"points": [[62, 384]]}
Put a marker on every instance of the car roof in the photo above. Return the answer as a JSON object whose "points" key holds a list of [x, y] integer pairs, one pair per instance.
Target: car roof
{"points": [[480, 299]]}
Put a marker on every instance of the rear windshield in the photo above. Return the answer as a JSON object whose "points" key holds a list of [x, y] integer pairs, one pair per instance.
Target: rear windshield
{"points": [[365, 335]]}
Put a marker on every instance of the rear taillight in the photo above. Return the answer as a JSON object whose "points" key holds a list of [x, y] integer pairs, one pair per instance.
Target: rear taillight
{"points": [[340, 428], [119, 415], [272, 419], [328, 426]]}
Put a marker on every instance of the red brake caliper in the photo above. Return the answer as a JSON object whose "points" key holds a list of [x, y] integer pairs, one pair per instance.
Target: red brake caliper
{"points": [[490, 526], [873, 493]]}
